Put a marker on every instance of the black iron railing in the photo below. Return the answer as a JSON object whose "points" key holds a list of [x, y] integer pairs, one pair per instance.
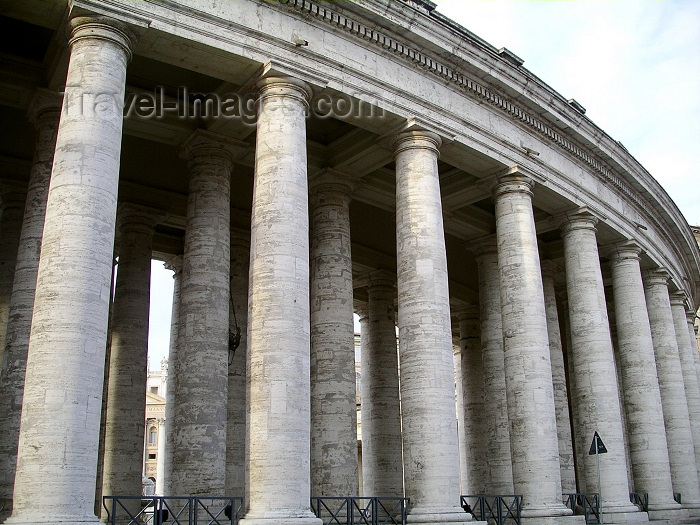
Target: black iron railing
{"points": [[171, 510], [499, 509], [641, 500], [361, 511], [587, 505]]}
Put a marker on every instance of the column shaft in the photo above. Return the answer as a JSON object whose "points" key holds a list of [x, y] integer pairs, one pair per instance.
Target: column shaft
{"points": [[160, 458], [431, 466], [333, 384], [59, 433], [278, 418]]}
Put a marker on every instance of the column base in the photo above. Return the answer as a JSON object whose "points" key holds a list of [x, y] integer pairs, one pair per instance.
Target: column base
{"points": [[307, 518], [625, 517], [553, 520], [452, 516], [48, 519], [668, 516]]}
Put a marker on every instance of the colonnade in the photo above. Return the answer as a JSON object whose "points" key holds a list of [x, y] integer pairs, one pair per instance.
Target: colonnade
{"points": [[278, 421]]}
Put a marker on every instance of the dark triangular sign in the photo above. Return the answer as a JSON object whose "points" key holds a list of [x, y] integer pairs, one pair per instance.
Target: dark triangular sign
{"points": [[599, 442]]}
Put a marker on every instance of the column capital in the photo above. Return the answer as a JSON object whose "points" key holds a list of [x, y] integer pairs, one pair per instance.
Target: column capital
{"points": [[203, 144], [12, 194], [678, 299], [174, 264], [549, 268], [102, 28], [45, 104], [469, 312], [415, 139], [133, 217], [484, 246], [273, 86], [690, 316], [332, 180], [376, 279], [514, 179], [240, 238], [579, 219], [621, 251], [362, 310], [656, 276]]}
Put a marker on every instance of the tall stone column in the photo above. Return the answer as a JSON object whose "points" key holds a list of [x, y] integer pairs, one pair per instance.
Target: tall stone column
{"points": [[160, 458], [235, 422], [128, 363], [44, 112], [362, 313], [333, 383], [431, 466], [499, 469], [459, 401], [59, 432], [692, 331], [278, 417], [201, 361], [382, 466], [472, 378], [679, 434], [561, 399], [528, 369], [174, 264], [642, 398], [686, 349], [13, 196], [594, 393]]}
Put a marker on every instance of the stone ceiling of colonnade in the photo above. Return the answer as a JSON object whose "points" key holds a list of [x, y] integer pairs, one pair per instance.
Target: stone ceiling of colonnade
{"points": [[153, 174]]}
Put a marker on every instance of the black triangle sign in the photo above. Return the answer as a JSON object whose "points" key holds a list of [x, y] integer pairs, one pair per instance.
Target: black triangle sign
{"points": [[601, 446]]}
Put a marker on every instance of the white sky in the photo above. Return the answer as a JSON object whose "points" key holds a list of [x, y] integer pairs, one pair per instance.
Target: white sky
{"points": [[633, 64]]}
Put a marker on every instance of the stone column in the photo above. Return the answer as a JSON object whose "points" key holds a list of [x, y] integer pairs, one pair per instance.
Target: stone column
{"points": [[431, 466], [594, 393], [499, 469], [686, 349], [201, 362], [561, 399], [59, 433], [692, 331], [13, 195], [642, 398], [459, 401], [278, 417], [472, 378], [174, 264], [382, 466], [528, 369], [333, 383], [679, 434], [44, 112], [160, 457], [128, 363], [235, 421]]}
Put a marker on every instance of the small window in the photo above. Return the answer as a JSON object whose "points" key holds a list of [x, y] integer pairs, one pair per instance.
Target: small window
{"points": [[151, 456], [154, 390], [152, 436]]}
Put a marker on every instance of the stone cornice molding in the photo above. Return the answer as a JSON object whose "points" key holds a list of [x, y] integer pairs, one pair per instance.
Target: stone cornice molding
{"points": [[102, 28], [269, 85]]}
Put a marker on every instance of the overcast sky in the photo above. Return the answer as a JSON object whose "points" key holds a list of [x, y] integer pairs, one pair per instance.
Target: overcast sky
{"points": [[633, 64]]}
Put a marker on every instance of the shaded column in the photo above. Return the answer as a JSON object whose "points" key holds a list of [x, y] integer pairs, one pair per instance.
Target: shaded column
{"points": [[472, 378], [201, 361], [333, 383], [526, 344], [44, 113], [382, 465], [236, 408], [642, 398], [174, 264], [499, 469], [431, 466], [679, 434], [128, 363], [160, 457], [561, 400], [278, 417], [59, 432], [594, 386], [459, 401]]}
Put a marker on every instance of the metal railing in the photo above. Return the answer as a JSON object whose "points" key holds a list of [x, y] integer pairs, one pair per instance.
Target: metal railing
{"points": [[498, 509], [641, 500], [171, 510], [587, 505], [361, 511]]}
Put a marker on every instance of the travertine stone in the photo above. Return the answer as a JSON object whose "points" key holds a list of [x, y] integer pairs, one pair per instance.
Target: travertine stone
{"points": [[499, 470], [679, 434], [642, 398], [459, 405], [278, 418], [174, 264], [201, 361], [59, 433], [160, 458], [13, 196], [694, 345], [431, 466], [594, 389], [561, 401], [236, 408], [44, 113], [128, 362], [382, 468], [526, 344], [362, 312], [686, 350], [472, 378], [333, 383]]}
